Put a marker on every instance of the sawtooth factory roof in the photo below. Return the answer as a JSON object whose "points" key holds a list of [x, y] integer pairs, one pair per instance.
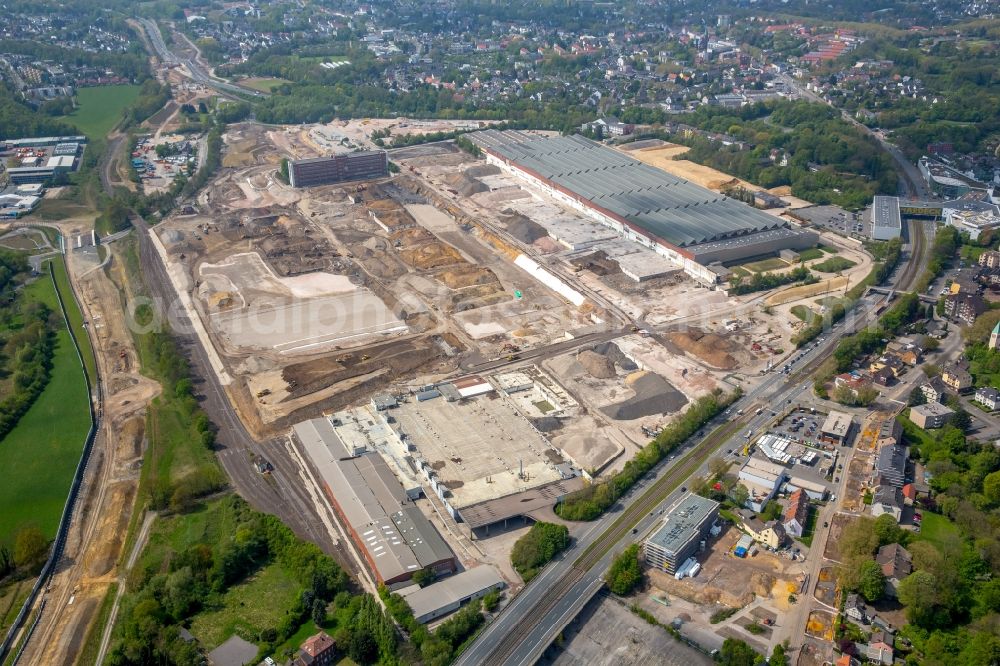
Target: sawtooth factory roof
{"points": [[670, 208]]}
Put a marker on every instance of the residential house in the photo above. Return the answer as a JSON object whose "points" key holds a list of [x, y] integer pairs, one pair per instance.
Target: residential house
{"points": [[909, 493], [931, 415], [896, 564], [609, 126], [771, 533], [855, 609], [853, 383], [889, 433], [990, 259], [934, 390], [318, 650], [964, 307], [988, 397], [888, 499], [889, 362], [957, 379], [890, 465], [884, 377], [796, 513], [877, 652], [846, 660], [908, 351]]}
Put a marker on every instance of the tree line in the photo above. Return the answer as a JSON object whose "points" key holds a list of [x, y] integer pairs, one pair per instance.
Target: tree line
{"points": [[590, 502], [764, 281]]}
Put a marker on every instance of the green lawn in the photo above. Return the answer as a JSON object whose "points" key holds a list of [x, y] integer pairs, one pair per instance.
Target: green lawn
{"points": [[810, 253], [256, 604], [938, 530], [75, 316], [771, 264], [803, 313], [828, 249], [263, 83], [205, 524], [810, 527], [39, 456], [833, 265], [100, 108]]}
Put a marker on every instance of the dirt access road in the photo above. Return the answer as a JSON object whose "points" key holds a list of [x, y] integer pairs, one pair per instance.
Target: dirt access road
{"points": [[93, 547]]}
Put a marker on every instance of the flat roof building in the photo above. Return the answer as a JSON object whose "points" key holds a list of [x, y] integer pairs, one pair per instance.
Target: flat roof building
{"points": [[930, 415], [886, 222], [686, 524], [686, 223], [837, 428], [447, 595], [362, 165], [390, 531]]}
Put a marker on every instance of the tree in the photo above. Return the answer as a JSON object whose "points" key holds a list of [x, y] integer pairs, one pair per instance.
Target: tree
{"points": [[283, 172], [735, 652], [991, 487], [318, 611], [30, 546], [625, 574], [718, 466], [867, 395], [362, 647], [872, 581], [888, 530], [778, 656], [961, 419], [424, 577], [917, 397], [918, 592], [740, 495]]}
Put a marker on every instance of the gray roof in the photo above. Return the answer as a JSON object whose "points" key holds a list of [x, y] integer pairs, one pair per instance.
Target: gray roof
{"points": [[660, 204], [341, 156], [885, 212], [683, 522], [234, 652], [889, 496], [891, 459], [398, 537], [453, 589]]}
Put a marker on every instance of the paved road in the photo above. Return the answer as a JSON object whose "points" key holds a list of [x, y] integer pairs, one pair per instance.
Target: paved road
{"points": [[194, 68], [509, 641]]}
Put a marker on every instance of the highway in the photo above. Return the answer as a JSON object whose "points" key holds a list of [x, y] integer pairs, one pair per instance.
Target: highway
{"points": [[196, 71]]}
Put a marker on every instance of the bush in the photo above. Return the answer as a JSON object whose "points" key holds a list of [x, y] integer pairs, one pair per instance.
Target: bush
{"points": [[722, 615], [625, 574], [536, 548]]}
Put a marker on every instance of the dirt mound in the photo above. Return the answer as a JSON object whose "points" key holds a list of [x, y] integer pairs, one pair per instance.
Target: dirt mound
{"points": [[465, 185], [466, 276], [711, 348], [482, 170], [617, 356], [653, 395], [431, 255], [524, 228], [596, 365]]}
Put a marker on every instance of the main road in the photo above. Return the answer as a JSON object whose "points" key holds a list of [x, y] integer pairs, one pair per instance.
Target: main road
{"points": [[194, 68], [519, 635]]}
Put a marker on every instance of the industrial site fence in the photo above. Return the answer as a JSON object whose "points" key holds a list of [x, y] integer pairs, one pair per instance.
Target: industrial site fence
{"points": [[67, 514]]}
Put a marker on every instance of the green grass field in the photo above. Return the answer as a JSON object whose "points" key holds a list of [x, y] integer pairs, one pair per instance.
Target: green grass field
{"points": [[75, 316], [40, 455], [100, 108], [256, 604], [833, 265], [938, 530], [803, 313], [810, 253], [770, 264], [262, 83]]}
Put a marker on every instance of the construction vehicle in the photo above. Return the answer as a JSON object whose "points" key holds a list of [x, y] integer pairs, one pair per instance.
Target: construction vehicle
{"points": [[263, 392], [512, 357], [365, 357], [633, 328]]}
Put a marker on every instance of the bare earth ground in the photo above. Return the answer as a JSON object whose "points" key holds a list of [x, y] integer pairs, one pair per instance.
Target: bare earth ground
{"points": [[95, 539]]}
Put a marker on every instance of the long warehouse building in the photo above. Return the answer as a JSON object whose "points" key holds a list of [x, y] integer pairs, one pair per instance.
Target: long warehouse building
{"points": [[362, 165], [686, 223], [389, 530]]}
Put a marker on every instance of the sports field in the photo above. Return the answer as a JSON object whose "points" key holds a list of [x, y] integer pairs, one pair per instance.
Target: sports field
{"points": [[39, 456], [100, 108]]}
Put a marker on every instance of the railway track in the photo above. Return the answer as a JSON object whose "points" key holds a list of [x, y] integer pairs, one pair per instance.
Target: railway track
{"points": [[912, 271], [591, 557]]}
